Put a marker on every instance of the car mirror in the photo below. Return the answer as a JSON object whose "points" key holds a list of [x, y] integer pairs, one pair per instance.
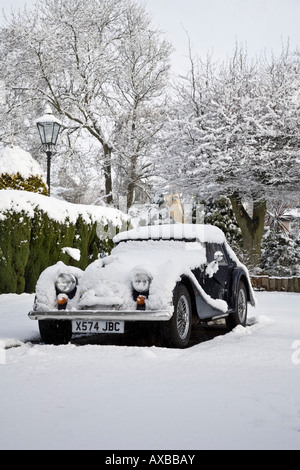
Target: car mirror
{"points": [[218, 256]]}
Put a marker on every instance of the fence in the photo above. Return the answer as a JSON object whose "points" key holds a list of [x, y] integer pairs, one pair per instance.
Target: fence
{"points": [[279, 284]]}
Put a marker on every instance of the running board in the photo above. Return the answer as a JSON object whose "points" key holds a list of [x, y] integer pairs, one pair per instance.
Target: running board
{"points": [[217, 317]]}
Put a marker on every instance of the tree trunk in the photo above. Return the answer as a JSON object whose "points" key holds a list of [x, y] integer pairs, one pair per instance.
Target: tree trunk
{"points": [[132, 180], [130, 193], [107, 173], [252, 228]]}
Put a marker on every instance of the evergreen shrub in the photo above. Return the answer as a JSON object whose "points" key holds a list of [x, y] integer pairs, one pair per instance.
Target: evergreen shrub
{"points": [[219, 213], [33, 183], [280, 254], [15, 233]]}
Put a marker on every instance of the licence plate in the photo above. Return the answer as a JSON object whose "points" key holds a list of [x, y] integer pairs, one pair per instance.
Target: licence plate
{"points": [[98, 326]]}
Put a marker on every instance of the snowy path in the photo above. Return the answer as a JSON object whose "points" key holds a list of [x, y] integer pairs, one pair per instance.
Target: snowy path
{"points": [[237, 391]]}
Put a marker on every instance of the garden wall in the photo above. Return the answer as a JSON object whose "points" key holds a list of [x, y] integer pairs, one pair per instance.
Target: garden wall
{"points": [[279, 284], [35, 228]]}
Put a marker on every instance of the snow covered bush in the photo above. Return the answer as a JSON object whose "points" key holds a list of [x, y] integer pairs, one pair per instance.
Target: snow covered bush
{"points": [[33, 183], [34, 229], [19, 170], [280, 254]]}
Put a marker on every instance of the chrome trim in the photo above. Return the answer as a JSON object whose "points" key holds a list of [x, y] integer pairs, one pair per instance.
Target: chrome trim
{"points": [[114, 315], [219, 317]]}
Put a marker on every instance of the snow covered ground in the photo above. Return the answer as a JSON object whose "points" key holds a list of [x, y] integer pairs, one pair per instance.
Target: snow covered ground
{"points": [[239, 390]]}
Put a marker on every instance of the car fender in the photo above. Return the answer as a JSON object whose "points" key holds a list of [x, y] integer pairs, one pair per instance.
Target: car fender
{"points": [[201, 308], [238, 275]]}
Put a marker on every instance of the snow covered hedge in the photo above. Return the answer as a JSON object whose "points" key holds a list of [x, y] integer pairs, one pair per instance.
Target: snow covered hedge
{"points": [[35, 229]]}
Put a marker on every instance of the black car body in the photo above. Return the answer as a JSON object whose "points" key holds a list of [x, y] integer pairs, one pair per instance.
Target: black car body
{"points": [[169, 276]]}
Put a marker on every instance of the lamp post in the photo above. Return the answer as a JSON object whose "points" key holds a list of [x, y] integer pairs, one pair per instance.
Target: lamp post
{"points": [[48, 126]]}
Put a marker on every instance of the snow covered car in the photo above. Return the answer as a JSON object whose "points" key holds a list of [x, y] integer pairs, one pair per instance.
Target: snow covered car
{"points": [[170, 276]]}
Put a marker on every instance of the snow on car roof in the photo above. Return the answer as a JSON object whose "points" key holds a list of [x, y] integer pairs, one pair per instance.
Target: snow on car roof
{"points": [[203, 233]]}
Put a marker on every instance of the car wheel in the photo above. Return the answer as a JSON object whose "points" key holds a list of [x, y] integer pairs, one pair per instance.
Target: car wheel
{"points": [[55, 332], [177, 331], [239, 316]]}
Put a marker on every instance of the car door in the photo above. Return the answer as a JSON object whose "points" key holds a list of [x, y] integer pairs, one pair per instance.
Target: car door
{"points": [[216, 285]]}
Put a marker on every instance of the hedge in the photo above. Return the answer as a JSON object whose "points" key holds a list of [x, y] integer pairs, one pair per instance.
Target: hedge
{"points": [[32, 237]]}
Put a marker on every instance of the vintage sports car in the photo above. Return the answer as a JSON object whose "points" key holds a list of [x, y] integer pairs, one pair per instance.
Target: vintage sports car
{"points": [[170, 276]]}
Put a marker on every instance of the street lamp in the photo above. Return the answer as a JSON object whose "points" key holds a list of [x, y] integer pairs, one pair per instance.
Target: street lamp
{"points": [[49, 127]]}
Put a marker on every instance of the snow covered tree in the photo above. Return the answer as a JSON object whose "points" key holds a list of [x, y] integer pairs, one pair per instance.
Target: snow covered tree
{"points": [[281, 240], [280, 253], [233, 133], [220, 214], [139, 106], [100, 65]]}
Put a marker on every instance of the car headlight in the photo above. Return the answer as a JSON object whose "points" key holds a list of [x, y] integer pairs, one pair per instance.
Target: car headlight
{"points": [[65, 283], [141, 282]]}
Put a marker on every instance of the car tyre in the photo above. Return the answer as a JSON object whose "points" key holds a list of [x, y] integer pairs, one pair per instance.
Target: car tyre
{"points": [[239, 316], [176, 332], [55, 332]]}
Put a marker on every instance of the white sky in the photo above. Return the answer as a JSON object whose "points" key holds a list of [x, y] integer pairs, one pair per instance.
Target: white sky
{"points": [[216, 25]]}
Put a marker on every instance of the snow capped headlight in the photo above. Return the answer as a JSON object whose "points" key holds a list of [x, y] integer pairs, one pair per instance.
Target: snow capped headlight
{"points": [[65, 283], [141, 282]]}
